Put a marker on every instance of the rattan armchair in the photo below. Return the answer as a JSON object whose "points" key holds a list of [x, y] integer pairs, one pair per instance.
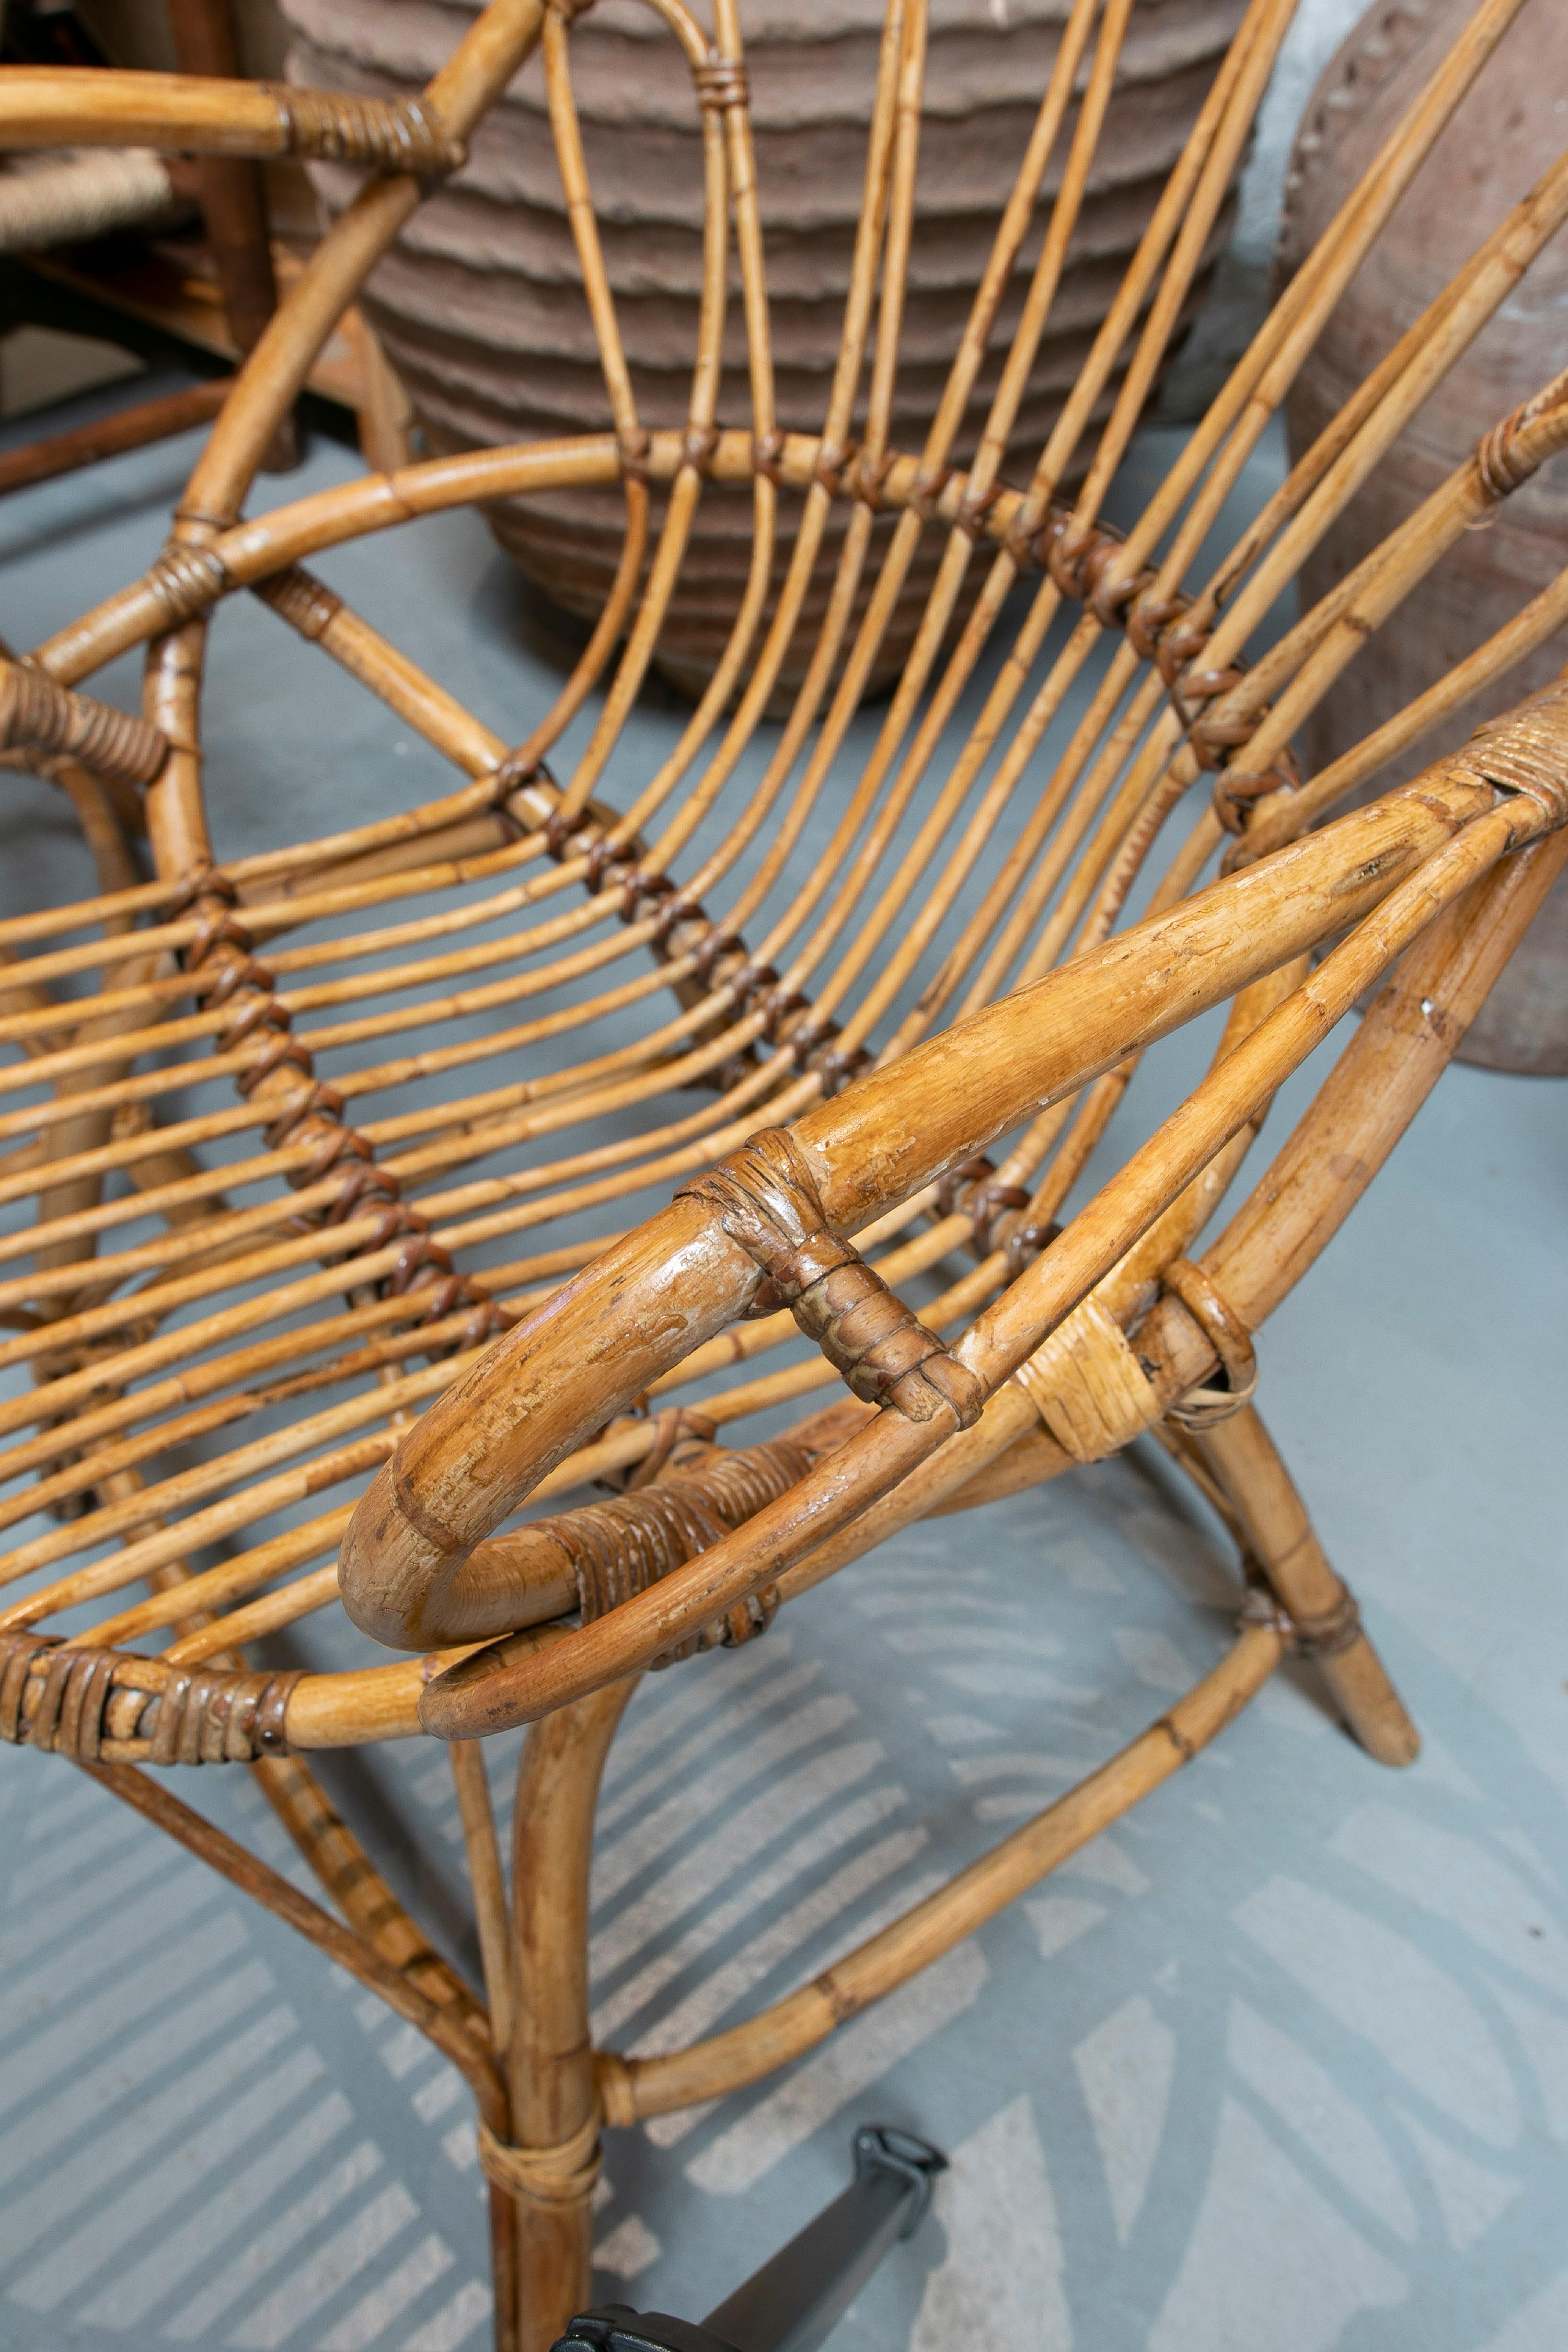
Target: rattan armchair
{"points": [[442, 1287]]}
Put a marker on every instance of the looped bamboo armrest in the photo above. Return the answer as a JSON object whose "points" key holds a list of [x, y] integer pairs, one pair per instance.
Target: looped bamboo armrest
{"points": [[544, 1388]]}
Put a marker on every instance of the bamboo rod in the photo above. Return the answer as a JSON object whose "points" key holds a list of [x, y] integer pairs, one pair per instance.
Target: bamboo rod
{"points": [[632, 2088]]}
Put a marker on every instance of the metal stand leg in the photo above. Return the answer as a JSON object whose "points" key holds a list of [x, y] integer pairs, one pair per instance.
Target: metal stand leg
{"points": [[801, 2293]]}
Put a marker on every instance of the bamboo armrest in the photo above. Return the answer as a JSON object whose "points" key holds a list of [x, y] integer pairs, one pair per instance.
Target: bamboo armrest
{"points": [[541, 1391]]}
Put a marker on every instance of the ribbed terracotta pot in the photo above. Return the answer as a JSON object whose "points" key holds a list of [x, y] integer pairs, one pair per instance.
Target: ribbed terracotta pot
{"points": [[479, 309], [1509, 129]]}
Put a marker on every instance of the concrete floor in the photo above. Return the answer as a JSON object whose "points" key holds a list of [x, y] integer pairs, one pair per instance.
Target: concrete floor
{"points": [[1283, 2060]]}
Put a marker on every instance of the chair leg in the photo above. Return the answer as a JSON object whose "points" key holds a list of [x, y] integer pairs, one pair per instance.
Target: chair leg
{"points": [[554, 2104], [1244, 1460]]}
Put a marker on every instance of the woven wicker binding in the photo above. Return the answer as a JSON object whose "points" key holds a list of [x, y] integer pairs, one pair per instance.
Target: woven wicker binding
{"points": [[257, 1284]]}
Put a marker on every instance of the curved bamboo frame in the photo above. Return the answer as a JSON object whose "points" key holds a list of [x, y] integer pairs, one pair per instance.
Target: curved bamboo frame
{"points": [[880, 1026]]}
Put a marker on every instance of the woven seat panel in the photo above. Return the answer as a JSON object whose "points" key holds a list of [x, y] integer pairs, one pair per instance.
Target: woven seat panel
{"points": [[287, 1137]]}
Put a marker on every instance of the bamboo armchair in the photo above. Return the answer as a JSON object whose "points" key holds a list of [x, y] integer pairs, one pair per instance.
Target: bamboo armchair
{"points": [[230, 1231]]}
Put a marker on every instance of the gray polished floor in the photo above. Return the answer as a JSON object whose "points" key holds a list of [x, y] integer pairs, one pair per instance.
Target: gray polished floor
{"points": [[1282, 2061]]}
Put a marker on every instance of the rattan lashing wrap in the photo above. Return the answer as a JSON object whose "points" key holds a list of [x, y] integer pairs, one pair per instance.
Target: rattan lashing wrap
{"points": [[619, 1548], [57, 1698], [38, 716], [767, 1201]]}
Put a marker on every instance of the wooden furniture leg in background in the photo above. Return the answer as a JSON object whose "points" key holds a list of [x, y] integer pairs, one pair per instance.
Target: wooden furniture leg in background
{"points": [[1246, 1461], [386, 413], [233, 197], [110, 437]]}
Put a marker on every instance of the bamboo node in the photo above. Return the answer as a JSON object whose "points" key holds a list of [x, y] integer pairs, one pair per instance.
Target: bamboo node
{"points": [[566, 2174], [298, 597], [380, 134], [721, 83], [768, 1203], [1328, 1633], [1228, 1336], [39, 716]]}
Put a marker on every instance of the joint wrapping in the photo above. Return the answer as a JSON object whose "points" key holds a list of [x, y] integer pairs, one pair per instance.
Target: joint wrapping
{"points": [[1230, 1339], [38, 716], [381, 134], [56, 1699], [768, 1203]]}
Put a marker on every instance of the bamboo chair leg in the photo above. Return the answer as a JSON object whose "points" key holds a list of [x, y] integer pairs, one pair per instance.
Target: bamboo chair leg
{"points": [[555, 2163], [1244, 1460]]}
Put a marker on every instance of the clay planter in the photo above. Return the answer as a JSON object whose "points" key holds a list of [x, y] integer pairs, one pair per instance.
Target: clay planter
{"points": [[1503, 136], [478, 307]]}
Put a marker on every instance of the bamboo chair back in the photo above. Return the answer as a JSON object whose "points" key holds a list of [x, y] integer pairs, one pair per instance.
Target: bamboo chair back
{"points": [[337, 1156]]}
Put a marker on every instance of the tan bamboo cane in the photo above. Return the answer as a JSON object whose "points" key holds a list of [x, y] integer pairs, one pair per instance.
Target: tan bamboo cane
{"points": [[198, 113], [1013, 1059], [551, 2164], [869, 1463], [231, 1860], [1321, 1612], [635, 2088]]}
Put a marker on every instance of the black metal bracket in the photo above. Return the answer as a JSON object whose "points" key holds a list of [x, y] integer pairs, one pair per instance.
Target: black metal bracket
{"points": [[804, 2290]]}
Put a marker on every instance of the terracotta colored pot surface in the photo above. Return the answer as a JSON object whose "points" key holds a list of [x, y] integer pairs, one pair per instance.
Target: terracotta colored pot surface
{"points": [[1513, 124], [478, 305]]}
